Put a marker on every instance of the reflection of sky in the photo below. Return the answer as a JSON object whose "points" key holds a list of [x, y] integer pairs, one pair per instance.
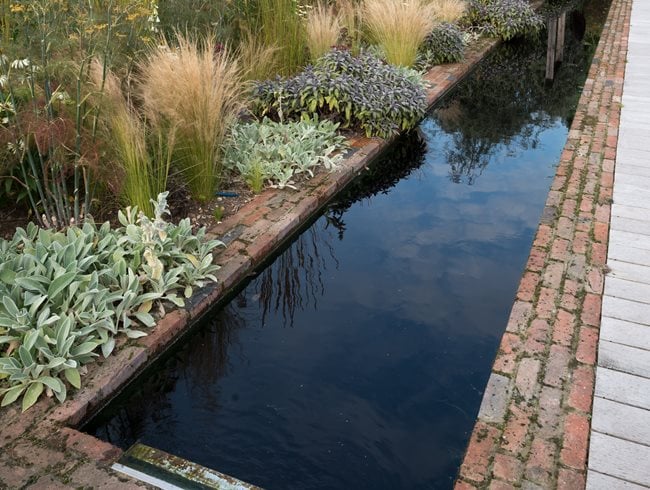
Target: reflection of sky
{"points": [[379, 385]]}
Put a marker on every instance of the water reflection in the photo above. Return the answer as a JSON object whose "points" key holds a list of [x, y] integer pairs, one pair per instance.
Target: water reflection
{"points": [[208, 357], [492, 110], [295, 279]]}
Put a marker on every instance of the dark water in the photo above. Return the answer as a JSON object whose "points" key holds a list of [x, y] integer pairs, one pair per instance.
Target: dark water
{"points": [[359, 357]]}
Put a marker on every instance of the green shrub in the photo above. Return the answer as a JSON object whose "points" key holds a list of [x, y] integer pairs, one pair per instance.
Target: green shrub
{"points": [[277, 152], [504, 18], [360, 92], [66, 295], [444, 44]]}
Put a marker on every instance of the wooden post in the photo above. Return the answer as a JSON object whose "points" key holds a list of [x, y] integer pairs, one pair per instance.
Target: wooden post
{"points": [[551, 47], [561, 27]]}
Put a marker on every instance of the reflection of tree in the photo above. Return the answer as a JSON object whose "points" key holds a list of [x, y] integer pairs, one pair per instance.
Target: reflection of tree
{"points": [[404, 156], [507, 102], [201, 361], [295, 279]]}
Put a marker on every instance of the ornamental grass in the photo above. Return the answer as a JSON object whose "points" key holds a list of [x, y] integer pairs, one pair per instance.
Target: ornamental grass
{"points": [[323, 29], [196, 89], [399, 27]]}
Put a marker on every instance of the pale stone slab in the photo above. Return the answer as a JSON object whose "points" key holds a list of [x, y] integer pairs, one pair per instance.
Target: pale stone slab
{"points": [[633, 181], [622, 167], [618, 458], [624, 358], [631, 225], [628, 271], [495, 399], [636, 157], [622, 288], [623, 388], [630, 212], [627, 333], [624, 309], [619, 251], [631, 196], [598, 481], [630, 239], [619, 420]]}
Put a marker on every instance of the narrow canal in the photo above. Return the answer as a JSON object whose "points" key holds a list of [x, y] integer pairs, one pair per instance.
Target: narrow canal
{"points": [[358, 357]]}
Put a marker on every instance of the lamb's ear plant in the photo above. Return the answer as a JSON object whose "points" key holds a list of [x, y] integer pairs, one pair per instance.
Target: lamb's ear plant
{"points": [[277, 153], [66, 296]]}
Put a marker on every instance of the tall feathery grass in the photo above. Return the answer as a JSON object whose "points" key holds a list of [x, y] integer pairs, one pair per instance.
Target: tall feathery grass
{"points": [[323, 29], [351, 15], [398, 27], [449, 11], [197, 90], [142, 177], [279, 24], [257, 61]]}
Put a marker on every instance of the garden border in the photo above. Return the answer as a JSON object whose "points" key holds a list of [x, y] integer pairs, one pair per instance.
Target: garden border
{"points": [[41, 448]]}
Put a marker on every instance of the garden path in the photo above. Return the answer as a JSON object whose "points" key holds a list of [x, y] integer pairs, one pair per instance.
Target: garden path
{"points": [[619, 453]]}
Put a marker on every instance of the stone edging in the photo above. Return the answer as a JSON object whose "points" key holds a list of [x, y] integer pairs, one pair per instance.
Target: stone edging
{"points": [[41, 446], [533, 425]]}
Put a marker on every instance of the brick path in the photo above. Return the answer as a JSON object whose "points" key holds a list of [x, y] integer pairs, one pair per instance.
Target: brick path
{"points": [[533, 425]]}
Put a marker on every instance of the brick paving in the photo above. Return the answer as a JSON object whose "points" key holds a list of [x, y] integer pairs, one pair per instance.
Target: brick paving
{"points": [[534, 422], [42, 449]]}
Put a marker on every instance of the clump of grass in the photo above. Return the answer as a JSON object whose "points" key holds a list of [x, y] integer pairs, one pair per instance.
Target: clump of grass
{"points": [[279, 24], [323, 30], [258, 62], [448, 11], [398, 27], [197, 91], [351, 18], [142, 177]]}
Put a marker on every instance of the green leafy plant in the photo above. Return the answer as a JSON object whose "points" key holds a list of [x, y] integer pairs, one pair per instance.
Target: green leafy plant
{"points": [[503, 18], [444, 44], [275, 152], [67, 295], [360, 92]]}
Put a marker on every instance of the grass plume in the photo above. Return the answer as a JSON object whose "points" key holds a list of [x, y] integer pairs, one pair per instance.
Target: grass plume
{"points": [[323, 29], [448, 10], [197, 90], [142, 177], [398, 27]]}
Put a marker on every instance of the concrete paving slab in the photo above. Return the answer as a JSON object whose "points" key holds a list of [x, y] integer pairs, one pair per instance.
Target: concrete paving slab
{"points": [[630, 225], [628, 271], [627, 310], [619, 458], [625, 333], [622, 421], [621, 288], [624, 358], [598, 481], [630, 239], [623, 388], [623, 253]]}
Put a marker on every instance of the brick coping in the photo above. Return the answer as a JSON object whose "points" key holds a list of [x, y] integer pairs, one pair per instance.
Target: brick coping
{"points": [[42, 449], [533, 425]]}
